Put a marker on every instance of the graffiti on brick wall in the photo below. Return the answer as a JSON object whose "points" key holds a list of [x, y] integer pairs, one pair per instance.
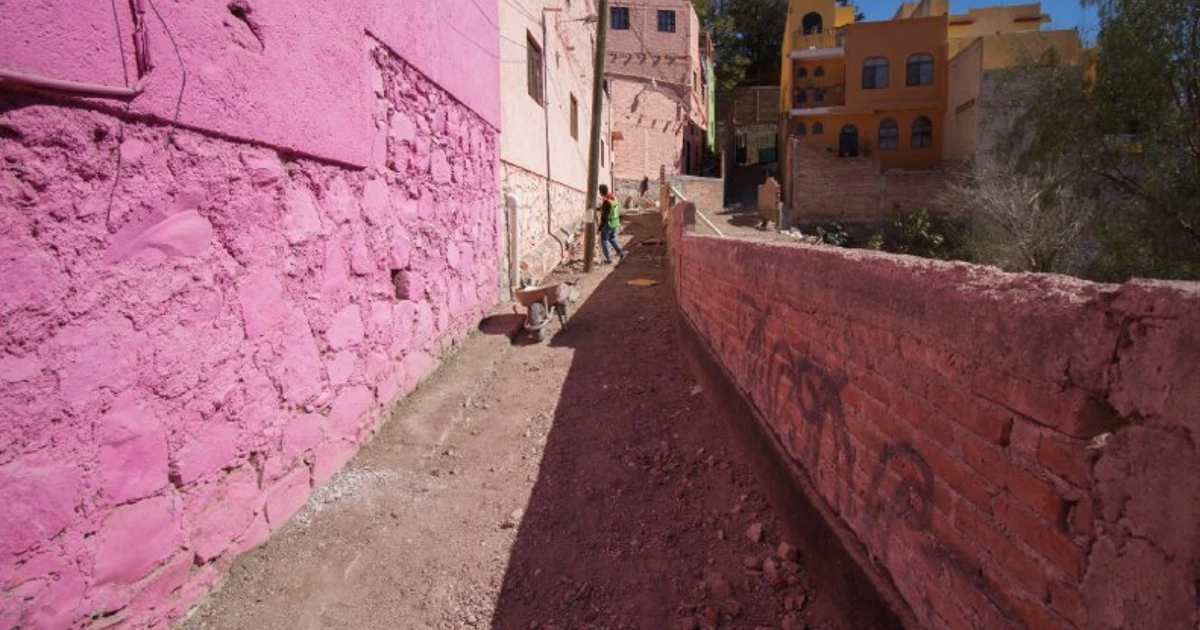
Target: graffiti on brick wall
{"points": [[812, 389], [899, 498]]}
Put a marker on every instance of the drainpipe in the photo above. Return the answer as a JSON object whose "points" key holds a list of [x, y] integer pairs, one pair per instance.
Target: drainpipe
{"points": [[546, 115], [511, 203]]}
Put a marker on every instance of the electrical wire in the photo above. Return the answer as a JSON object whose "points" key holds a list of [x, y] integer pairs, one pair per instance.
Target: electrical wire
{"points": [[484, 14], [120, 41], [522, 10], [182, 71], [466, 37]]}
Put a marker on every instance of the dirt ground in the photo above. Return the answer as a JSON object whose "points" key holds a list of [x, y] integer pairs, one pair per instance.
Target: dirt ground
{"points": [[578, 483], [740, 223]]}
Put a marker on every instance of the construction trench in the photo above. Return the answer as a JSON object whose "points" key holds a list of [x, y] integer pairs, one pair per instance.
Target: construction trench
{"points": [[637, 471], [586, 482]]}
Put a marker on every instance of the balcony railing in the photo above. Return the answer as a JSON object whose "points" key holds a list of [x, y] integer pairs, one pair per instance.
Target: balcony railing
{"points": [[831, 38], [806, 97]]}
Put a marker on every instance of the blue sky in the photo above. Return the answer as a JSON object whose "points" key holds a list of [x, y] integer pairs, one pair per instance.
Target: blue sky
{"points": [[1063, 13]]}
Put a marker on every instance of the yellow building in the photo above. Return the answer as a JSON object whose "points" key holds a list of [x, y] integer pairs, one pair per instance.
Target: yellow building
{"points": [[895, 89]]}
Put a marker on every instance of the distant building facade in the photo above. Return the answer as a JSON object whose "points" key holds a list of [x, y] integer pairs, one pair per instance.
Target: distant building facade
{"points": [[546, 75], [908, 94], [885, 88], [659, 75]]}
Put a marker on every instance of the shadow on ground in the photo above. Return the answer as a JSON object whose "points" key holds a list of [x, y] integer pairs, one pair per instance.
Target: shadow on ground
{"points": [[640, 513]]}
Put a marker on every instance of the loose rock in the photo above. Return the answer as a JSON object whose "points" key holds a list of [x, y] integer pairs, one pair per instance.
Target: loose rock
{"points": [[792, 621]]}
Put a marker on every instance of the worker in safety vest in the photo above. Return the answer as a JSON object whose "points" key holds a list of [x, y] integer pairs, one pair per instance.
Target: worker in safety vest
{"points": [[610, 220]]}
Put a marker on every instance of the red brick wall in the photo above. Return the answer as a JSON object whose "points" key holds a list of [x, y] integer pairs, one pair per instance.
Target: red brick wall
{"points": [[1008, 449], [909, 191], [708, 193], [829, 187]]}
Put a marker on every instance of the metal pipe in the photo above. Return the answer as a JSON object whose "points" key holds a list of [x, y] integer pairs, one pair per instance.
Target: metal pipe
{"points": [[77, 88], [546, 119]]}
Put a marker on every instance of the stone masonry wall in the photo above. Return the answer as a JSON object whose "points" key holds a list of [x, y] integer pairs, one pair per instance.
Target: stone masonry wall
{"points": [[200, 330], [1008, 450], [547, 234]]}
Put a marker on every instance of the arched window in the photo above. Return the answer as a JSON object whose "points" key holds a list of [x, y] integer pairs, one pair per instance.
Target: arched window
{"points": [[801, 72], [922, 133], [875, 73], [818, 129], [919, 70], [800, 129], [889, 135], [811, 23], [819, 72]]}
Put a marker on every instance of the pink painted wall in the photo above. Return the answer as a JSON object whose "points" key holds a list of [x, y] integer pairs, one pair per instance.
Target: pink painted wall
{"points": [[298, 79], [198, 332]]}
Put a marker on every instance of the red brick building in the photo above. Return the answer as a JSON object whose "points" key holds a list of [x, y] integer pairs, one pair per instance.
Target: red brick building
{"points": [[657, 75]]}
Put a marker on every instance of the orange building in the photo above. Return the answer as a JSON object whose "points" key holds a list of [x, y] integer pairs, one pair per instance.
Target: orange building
{"points": [[865, 88], [883, 89]]}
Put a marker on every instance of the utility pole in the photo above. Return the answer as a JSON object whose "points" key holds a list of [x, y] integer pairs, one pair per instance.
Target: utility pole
{"points": [[589, 237]]}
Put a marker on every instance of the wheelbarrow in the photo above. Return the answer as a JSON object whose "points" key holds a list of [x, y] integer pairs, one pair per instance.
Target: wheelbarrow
{"points": [[540, 301]]}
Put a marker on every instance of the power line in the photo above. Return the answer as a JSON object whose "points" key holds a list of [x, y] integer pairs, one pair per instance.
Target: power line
{"points": [[484, 14], [182, 71]]}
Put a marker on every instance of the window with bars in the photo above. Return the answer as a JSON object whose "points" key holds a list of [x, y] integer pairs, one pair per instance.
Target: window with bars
{"points": [[666, 21], [919, 70], [533, 60], [819, 72], [875, 73], [922, 133], [889, 135], [818, 129], [800, 129], [619, 18], [801, 72]]}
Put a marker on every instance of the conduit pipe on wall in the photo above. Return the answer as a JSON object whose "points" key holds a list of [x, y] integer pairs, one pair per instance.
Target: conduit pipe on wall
{"points": [[77, 88], [546, 116]]}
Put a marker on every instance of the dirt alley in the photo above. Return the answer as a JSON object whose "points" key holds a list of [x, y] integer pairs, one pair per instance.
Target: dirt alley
{"points": [[579, 483]]}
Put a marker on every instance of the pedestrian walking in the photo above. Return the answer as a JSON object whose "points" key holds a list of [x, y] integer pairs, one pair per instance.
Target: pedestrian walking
{"points": [[610, 220]]}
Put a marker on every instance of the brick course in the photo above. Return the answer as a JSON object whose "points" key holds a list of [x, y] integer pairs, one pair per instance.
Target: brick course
{"points": [[1002, 458], [829, 187]]}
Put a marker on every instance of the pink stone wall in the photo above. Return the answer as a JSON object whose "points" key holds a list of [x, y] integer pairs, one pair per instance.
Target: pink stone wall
{"points": [[198, 331], [1006, 450]]}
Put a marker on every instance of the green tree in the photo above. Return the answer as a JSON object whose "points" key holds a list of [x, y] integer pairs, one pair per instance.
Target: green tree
{"points": [[745, 34], [1126, 137]]}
